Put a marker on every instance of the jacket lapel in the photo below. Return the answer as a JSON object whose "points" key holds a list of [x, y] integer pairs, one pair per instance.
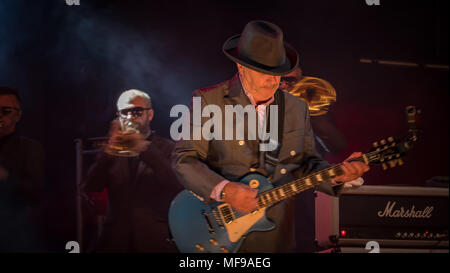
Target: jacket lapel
{"points": [[237, 96]]}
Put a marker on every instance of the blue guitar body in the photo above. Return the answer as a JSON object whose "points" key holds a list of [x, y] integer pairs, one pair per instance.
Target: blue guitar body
{"points": [[199, 228]]}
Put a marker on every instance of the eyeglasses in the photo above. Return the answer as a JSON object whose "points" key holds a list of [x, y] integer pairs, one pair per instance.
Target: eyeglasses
{"points": [[7, 110], [135, 112]]}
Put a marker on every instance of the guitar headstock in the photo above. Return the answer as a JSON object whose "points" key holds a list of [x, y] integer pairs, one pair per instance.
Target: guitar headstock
{"points": [[388, 152]]}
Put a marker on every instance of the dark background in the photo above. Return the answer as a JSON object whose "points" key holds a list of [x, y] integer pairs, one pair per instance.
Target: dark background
{"points": [[70, 63]]}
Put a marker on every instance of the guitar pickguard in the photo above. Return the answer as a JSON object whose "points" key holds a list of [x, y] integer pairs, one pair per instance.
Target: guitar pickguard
{"points": [[238, 227]]}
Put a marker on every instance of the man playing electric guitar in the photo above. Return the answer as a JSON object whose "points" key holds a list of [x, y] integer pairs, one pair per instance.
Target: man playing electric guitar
{"points": [[209, 168]]}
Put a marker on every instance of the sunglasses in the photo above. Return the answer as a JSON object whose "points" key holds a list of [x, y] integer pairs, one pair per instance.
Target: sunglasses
{"points": [[135, 112], [7, 110]]}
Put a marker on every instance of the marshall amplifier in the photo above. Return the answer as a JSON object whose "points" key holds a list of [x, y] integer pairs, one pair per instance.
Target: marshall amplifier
{"points": [[394, 217]]}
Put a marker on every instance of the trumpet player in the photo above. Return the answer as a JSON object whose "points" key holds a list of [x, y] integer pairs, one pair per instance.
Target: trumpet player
{"points": [[135, 170]]}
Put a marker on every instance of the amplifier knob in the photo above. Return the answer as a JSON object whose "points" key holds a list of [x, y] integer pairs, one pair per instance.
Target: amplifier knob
{"points": [[411, 235], [405, 235], [417, 235], [398, 235]]}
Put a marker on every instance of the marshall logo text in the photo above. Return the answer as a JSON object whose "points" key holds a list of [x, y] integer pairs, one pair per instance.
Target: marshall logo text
{"points": [[391, 212]]}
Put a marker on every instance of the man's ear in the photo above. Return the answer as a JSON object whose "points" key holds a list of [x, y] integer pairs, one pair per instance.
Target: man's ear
{"points": [[151, 113], [18, 116], [241, 70]]}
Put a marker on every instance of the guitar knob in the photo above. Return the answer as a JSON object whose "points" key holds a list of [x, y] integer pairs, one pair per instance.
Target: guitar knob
{"points": [[213, 242], [375, 144], [199, 247], [392, 164], [384, 166], [390, 139], [400, 162], [382, 142], [224, 249]]}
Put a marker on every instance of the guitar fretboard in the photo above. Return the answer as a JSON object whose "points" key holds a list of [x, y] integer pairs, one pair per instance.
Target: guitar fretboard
{"points": [[288, 190]]}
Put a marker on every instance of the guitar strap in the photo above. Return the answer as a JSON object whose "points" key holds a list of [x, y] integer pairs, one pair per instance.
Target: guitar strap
{"points": [[269, 159]]}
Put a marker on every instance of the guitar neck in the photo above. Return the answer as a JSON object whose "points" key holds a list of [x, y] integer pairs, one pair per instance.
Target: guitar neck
{"points": [[295, 187]]}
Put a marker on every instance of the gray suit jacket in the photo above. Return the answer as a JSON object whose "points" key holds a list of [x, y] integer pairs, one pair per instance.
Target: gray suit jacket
{"points": [[200, 164]]}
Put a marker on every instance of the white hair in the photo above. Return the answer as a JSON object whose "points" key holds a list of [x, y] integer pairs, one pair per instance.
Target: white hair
{"points": [[128, 95]]}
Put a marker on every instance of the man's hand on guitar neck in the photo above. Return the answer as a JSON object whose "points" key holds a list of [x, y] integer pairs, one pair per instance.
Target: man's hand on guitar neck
{"points": [[352, 170], [241, 197], [244, 199]]}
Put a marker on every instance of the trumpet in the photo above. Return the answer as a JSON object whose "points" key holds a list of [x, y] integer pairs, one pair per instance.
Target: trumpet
{"points": [[128, 127]]}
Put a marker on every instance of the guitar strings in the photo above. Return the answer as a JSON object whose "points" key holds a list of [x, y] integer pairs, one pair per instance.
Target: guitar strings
{"points": [[300, 184]]}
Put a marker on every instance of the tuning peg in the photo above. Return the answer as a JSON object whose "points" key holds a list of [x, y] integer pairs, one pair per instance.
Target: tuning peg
{"points": [[392, 163], [375, 144], [382, 142], [384, 166], [390, 139], [400, 162]]}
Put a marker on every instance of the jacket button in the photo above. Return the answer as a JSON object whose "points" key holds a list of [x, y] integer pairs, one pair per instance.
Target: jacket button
{"points": [[292, 153], [241, 142], [283, 171]]}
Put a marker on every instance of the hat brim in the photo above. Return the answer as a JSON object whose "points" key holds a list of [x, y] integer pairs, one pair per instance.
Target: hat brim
{"points": [[230, 50]]}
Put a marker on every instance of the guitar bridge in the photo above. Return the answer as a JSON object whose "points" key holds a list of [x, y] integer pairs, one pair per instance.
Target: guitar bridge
{"points": [[217, 218]]}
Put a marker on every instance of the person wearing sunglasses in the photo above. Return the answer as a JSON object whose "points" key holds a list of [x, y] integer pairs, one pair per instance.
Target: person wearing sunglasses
{"points": [[21, 179], [135, 170]]}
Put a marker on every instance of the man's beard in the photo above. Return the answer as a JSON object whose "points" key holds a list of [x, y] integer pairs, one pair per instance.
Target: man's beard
{"points": [[144, 129]]}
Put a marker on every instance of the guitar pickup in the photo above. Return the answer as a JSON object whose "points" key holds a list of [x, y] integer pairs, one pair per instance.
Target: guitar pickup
{"points": [[226, 213]]}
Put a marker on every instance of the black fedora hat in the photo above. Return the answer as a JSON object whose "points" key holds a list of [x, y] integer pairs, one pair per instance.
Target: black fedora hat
{"points": [[261, 47]]}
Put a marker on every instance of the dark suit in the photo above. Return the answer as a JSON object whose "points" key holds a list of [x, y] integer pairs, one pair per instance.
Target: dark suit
{"points": [[140, 190], [200, 165], [20, 193]]}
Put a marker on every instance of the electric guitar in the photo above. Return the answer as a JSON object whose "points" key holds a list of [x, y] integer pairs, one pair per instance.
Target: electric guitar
{"points": [[216, 227]]}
